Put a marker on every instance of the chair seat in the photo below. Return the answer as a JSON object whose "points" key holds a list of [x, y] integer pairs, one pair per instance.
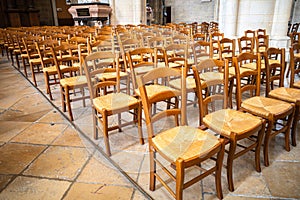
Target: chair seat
{"points": [[73, 81], [253, 66], [242, 70], [190, 61], [155, 89], [63, 68], [171, 65], [35, 61], [110, 75], [184, 142], [297, 84], [226, 121], [266, 107], [190, 83], [114, 101], [287, 94], [207, 76]]}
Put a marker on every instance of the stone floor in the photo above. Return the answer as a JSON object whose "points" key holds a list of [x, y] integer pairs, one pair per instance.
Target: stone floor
{"points": [[45, 156]]}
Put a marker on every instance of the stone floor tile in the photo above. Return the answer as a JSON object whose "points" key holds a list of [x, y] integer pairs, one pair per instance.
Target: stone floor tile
{"points": [[22, 110], [53, 117], [98, 191], [4, 179], [9, 129], [70, 137], [34, 189], [283, 179], [97, 171], [40, 133], [15, 157], [253, 185], [59, 162]]}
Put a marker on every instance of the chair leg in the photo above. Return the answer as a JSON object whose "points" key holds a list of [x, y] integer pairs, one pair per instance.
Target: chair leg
{"points": [[63, 98], [95, 123], [179, 178], [17, 61], [152, 169], [105, 133], [33, 74], [260, 136], [294, 126], [46, 76], [68, 103], [24, 65], [140, 131], [218, 175], [266, 143], [232, 148]]}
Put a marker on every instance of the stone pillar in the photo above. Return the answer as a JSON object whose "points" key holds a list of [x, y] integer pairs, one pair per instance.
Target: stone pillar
{"points": [[228, 12], [281, 17], [278, 37]]}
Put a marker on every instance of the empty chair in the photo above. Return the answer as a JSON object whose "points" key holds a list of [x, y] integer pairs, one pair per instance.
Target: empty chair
{"points": [[106, 98], [262, 43], [69, 85], [272, 110], [179, 146], [215, 115], [246, 44]]}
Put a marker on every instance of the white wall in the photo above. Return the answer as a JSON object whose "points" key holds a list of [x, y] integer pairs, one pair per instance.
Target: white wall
{"points": [[127, 12]]}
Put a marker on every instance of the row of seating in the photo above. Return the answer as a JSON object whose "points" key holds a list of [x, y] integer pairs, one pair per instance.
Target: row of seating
{"points": [[173, 66]]}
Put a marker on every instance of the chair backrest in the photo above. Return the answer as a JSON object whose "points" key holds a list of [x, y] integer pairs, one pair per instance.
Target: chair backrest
{"points": [[262, 43], [199, 37], [63, 55], [247, 80], [212, 93], [261, 31], [295, 37], [156, 41], [201, 51], [95, 66], [152, 77], [246, 44], [140, 61], [44, 51], [227, 48], [294, 64], [275, 65]]}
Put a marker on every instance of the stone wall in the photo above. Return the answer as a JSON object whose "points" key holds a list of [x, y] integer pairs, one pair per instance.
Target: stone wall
{"points": [[189, 11], [46, 15]]}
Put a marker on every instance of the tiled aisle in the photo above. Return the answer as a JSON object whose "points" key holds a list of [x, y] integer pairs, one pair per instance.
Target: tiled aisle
{"points": [[42, 155]]}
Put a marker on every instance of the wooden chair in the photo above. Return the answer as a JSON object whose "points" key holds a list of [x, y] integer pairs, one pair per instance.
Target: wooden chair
{"points": [[33, 56], [201, 51], [180, 146], [275, 72], [246, 44], [235, 126], [63, 55], [227, 49], [272, 110], [99, 67], [295, 66], [262, 43], [141, 60]]}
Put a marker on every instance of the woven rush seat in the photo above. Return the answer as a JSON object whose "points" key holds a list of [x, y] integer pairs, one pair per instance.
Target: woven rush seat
{"points": [[227, 121], [114, 101], [286, 94], [297, 84], [190, 83], [184, 142], [73, 81], [64, 68], [266, 107], [153, 90]]}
